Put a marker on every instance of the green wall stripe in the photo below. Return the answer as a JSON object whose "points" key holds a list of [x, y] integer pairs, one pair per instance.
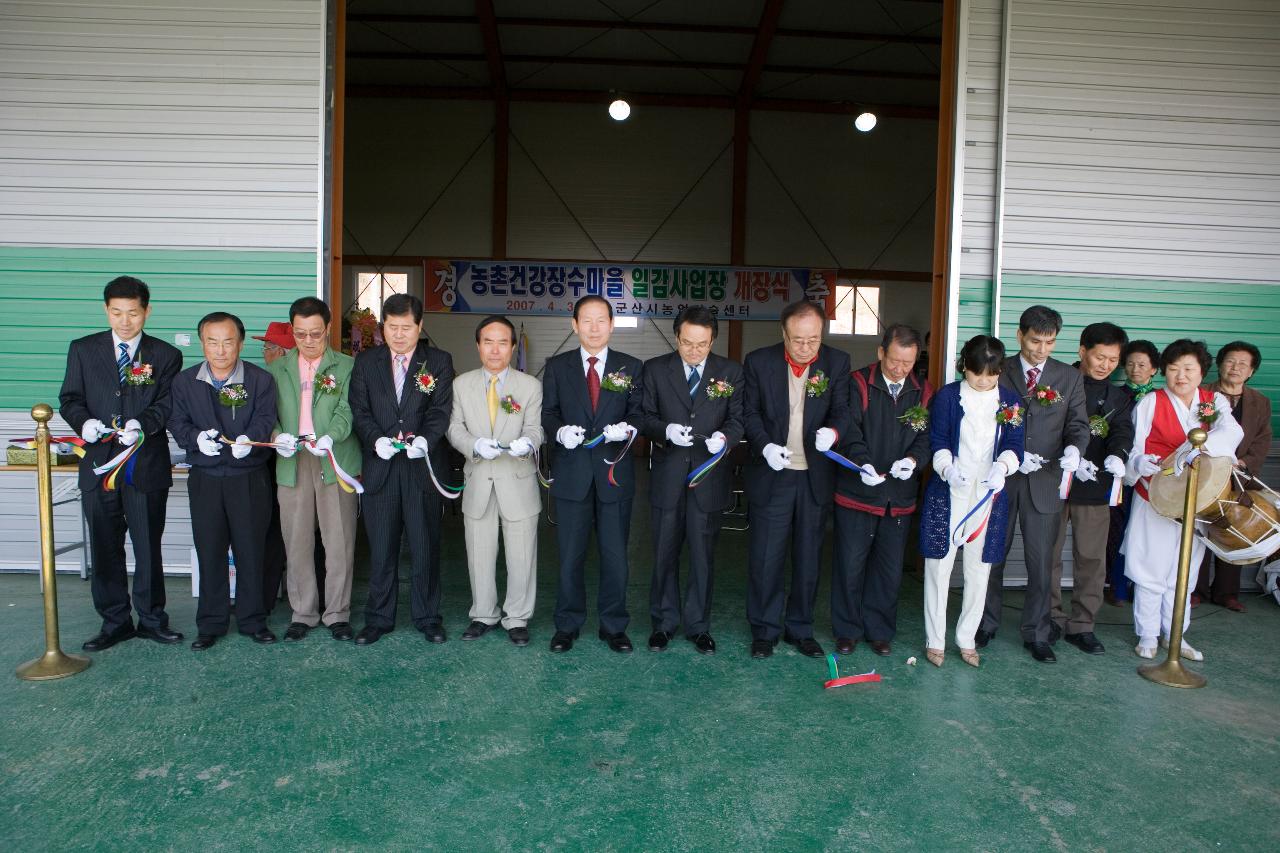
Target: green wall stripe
{"points": [[51, 296]]}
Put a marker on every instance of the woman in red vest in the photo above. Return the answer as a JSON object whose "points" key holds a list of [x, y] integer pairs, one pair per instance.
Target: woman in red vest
{"points": [[1162, 420]]}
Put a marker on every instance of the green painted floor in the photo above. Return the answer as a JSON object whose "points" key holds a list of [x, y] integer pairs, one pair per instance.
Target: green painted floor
{"points": [[483, 746]]}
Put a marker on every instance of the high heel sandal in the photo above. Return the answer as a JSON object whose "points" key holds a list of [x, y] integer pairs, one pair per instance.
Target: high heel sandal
{"points": [[935, 656], [970, 656]]}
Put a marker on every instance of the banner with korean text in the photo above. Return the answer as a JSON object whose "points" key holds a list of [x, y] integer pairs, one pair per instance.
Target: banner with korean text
{"points": [[638, 290]]}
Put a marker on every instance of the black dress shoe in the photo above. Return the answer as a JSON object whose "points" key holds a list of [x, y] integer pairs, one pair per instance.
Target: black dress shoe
{"points": [[884, 648], [263, 637], [845, 646], [981, 638], [103, 641], [704, 644], [761, 648], [1042, 652], [434, 634], [163, 634], [203, 641], [341, 630], [563, 641], [518, 635], [1055, 632], [1086, 642], [296, 631], [658, 641], [806, 646], [475, 631], [618, 642], [371, 634]]}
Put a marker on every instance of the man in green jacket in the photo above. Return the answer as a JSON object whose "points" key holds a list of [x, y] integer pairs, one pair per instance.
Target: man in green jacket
{"points": [[311, 389]]}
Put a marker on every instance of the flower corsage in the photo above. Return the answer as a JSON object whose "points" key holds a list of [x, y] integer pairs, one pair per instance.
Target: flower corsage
{"points": [[425, 382], [816, 385], [1009, 415], [718, 389], [618, 381], [326, 383], [138, 374], [1044, 395], [509, 405], [916, 417], [233, 396], [1206, 413], [1099, 426]]}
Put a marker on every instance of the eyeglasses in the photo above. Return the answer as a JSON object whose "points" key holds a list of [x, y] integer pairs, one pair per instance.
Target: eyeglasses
{"points": [[308, 336], [693, 346]]}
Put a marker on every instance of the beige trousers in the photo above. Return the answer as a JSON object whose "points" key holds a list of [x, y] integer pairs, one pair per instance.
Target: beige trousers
{"points": [[520, 541], [1090, 525], [302, 506]]}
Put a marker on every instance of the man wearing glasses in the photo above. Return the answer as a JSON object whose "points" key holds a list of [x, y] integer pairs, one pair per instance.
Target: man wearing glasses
{"points": [[276, 342], [315, 416]]}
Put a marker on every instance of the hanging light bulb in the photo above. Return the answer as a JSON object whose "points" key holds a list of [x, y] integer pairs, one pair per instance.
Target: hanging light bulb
{"points": [[619, 110], [865, 121]]}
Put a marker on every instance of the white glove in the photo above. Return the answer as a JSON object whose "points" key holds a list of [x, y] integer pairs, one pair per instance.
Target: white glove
{"points": [[286, 444], [995, 477], [824, 439], [241, 448], [417, 448], [1070, 460], [953, 476], [384, 448], [208, 443], [777, 456], [902, 469], [320, 445], [1031, 462], [92, 430], [522, 446], [681, 436], [1113, 466], [570, 436], [1182, 460], [1147, 465], [1087, 472], [129, 435], [872, 479], [715, 443], [618, 431], [487, 448]]}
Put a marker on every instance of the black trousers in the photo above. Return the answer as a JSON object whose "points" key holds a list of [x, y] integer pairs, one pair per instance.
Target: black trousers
{"points": [[866, 573], [671, 528], [402, 508], [230, 511], [273, 557], [1039, 533], [110, 515], [612, 523], [789, 520]]}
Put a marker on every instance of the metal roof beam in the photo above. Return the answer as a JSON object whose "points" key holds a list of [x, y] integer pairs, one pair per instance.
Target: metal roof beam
{"points": [[759, 51]]}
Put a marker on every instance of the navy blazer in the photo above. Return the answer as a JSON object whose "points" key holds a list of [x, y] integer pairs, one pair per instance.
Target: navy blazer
{"points": [[565, 403], [377, 414], [945, 414], [766, 416], [91, 389], [666, 401], [196, 408]]}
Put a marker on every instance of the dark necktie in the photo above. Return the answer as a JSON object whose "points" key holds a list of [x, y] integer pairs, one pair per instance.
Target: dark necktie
{"points": [[693, 381], [895, 388], [593, 382], [122, 363], [1032, 376]]}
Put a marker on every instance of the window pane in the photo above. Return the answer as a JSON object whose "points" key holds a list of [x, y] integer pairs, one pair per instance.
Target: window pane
{"points": [[842, 323], [867, 311], [373, 288]]}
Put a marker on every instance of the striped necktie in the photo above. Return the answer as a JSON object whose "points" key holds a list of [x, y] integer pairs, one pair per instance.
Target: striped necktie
{"points": [[694, 378], [402, 370], [1033, 376], [122, 363]]}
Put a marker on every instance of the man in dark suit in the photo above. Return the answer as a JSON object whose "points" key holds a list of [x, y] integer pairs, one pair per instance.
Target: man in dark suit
{"points": [[591, 389], [692, 410], [229, 487], [1057, 430], [122, 378], [796, 407], [401, 398]]}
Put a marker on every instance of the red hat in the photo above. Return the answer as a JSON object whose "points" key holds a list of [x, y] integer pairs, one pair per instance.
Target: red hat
{"points": [[280, 334]]}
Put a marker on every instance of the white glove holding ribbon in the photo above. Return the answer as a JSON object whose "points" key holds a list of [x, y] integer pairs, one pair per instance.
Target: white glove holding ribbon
{"points": [[92, 430], [679, 435], [487, 448], [208, 443], [1147, 465], [902, 469], [521, 447], [570, 436], [384, 448], [1031, 462], [417, 448], [618, 431], [1087, 472], [241, 448], [286, 444], [1113, 466], [871, 479], [777, 456], [1181, 461], [1070, 460], [953, 476], [995, 477], [129, 435], [715, 443], [825, 439], [320, 445]]}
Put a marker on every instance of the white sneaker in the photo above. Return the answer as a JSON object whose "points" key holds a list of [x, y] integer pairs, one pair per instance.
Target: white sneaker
{"points": [[1188, 651], [1144, 651]]}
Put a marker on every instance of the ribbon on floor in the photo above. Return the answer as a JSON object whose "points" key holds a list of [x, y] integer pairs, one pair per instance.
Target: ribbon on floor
{"points": [[837, 681], [697, 475], [957, 536], [76, 442], [1117, 491], [122, 461]]}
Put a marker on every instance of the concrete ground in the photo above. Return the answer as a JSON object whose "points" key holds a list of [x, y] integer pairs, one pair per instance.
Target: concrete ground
{"points": [[484, 746]]}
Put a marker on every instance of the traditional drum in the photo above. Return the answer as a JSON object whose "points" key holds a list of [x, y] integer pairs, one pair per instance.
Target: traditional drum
{"points": [[1168, 490], [1249, 528]]}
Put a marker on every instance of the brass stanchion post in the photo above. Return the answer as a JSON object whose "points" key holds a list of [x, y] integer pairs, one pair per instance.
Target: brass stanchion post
{"points": [[53, 663], [1172, 673]]}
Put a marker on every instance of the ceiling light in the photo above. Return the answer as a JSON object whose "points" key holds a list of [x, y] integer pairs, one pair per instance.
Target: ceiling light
{"points": [[619, 110], [865, 122]]}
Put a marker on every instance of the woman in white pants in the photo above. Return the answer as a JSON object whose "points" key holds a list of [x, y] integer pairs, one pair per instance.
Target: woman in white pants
{"points": [[975, 432]]}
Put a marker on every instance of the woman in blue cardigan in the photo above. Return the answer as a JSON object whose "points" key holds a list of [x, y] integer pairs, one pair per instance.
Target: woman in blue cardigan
{"points": [[975, 433]]}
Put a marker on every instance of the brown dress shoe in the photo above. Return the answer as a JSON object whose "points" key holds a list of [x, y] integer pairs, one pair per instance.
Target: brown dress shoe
{"points": [[1233, 604]]}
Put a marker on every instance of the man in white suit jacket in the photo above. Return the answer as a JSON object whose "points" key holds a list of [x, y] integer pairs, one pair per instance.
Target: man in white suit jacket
{"points": [[496, 424]]}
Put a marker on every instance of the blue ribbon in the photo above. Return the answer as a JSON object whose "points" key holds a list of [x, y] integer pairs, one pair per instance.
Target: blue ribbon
{"points": [[849, 463], [695, 476], [960, 527]]}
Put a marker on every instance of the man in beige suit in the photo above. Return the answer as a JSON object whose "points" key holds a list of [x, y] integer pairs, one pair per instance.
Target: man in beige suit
{"points": [[496, 424]]}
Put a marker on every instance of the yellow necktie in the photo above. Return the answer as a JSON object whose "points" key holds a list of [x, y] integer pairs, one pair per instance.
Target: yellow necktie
{"points": [[493, 401]]}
